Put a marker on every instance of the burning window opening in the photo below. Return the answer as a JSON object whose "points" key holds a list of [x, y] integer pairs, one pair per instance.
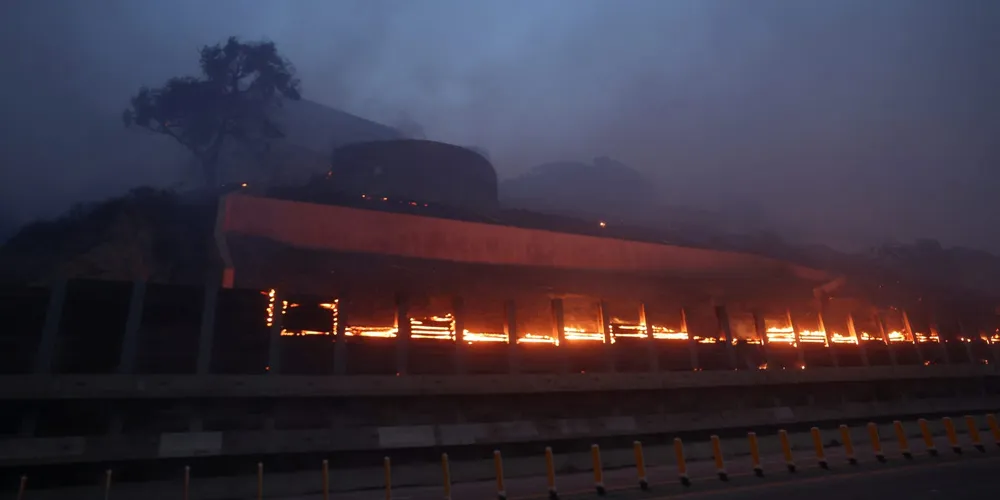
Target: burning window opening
{"points": [[925, 337]]}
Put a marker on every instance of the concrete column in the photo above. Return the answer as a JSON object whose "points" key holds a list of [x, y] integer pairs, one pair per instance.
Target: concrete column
{"points": [[760, 327], [853, 332], [821, 322], [510, 329], [692, 345], [130, 340], [559, 332], [934, 331], [340, 346], [604, 320], [798, 340], [963, 330], [654, 353], [206, 335], [402, 334], [274, 344], [913, 338], [50, 329], [458, 311], [880, 322], [727, 334]]}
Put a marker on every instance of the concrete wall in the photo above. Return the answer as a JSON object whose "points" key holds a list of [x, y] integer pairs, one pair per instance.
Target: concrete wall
{"points": [[336, 228]]}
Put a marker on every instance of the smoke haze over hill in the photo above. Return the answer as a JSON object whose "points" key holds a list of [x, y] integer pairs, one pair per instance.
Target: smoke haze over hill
{"points": [[846, 123]]}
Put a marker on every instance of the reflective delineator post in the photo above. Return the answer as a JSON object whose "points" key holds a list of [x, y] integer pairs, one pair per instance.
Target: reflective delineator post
{"points": [[925, 431], [991, 420], [445, 476], [187, 482], [786, 450], [876, 442], [498, 469], [550, 474], [845, 437], [326, 480], [949, 430], [720, 464], [682, 468], [758, 470], [23, 486], [973, 426], [387, 471], [260, 480], [818, 445], [904, 444], [595, 459], [640, 465], [107, 484]]}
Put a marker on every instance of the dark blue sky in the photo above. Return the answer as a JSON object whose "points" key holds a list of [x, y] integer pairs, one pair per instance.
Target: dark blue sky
{"points": [[847, 122]]}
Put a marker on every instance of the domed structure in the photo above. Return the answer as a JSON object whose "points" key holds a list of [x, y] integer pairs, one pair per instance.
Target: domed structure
{"points": [[417, 170]]}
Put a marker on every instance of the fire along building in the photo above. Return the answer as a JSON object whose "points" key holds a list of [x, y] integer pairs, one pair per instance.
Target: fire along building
{"points": [[392, 307]]}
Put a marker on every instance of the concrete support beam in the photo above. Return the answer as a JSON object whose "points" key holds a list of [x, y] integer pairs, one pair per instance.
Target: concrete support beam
{"points": [[510, 329], [821, 322], [130, 340], [402, 334], [206, 335], [852, 330], [798, 340], [50, 329], [908, 329], [458, 312], [340, 346], [654, 352], [727, 334], [274, 343], [604, 320], [559, 332], [880, 323], [692, 345]]}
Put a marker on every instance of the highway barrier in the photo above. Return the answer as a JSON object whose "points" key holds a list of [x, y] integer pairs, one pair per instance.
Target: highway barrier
{"points": [[904, 444], [498, 469], [949, 430], [876, 442], [925, 431], [758, 470], [786, 450], [817, 439], [845, 438], [550, 474], [682, 473], [595, 457], [973, 426], [640, 465], [720, 464]]}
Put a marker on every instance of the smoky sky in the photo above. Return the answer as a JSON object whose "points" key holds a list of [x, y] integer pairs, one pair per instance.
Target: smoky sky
{"points": [[845, 122]]}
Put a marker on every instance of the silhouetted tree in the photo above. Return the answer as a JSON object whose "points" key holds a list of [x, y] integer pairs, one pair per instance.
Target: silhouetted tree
{"points": [[240, 83]]}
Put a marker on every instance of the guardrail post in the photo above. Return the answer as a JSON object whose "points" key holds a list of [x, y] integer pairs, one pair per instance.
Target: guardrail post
{"points": [[187, 482], [758, 470], [876, 442], [498, 469], [817, 439], [845, 437], [904, 444], [681, 462], [260, 480], [387, 472], [786, 450], [640, 465], [550, 474], [720, 464], [22, 487], [925, 431], [949, 430], [991, 420], [973, 427], [326, 480], [107, 484], [595, 458], [445, 476]]}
